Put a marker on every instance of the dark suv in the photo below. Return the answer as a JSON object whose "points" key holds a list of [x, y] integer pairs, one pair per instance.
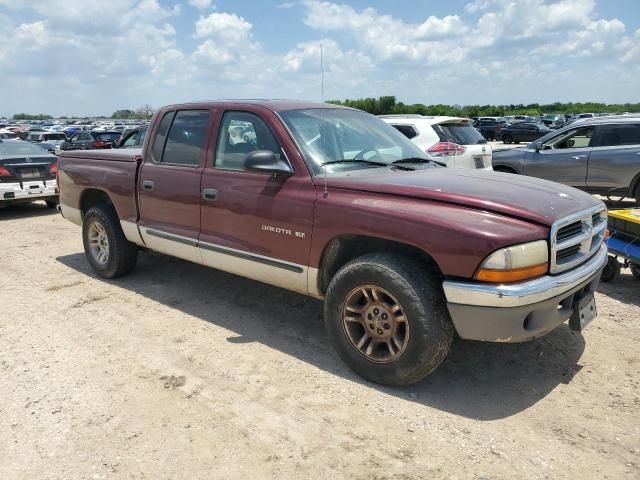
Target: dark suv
{"points": [[596, 155], [522, 132], [91, 140], [489, 127]]}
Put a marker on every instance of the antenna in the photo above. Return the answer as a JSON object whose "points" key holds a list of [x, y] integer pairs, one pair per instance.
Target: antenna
{"points": [[325, 194]]}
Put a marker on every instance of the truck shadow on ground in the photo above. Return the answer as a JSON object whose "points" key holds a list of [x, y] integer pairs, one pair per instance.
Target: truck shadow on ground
{"points": [[26, 210], [625, 289], [478, 380]]}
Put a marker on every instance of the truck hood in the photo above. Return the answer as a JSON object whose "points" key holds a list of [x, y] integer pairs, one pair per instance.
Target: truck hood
{"points": [[528, 198]]}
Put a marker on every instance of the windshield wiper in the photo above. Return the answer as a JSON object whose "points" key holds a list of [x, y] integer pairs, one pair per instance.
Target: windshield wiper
{"points": [[352, 160], [367, 162], [418, 160]]}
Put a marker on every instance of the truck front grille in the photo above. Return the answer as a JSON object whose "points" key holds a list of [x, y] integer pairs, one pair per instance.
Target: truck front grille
{"points": [[576, 238]]}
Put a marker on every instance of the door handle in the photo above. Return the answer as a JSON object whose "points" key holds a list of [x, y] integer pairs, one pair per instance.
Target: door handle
{"points": [[210, 194], [578, 157], [148, 185]]}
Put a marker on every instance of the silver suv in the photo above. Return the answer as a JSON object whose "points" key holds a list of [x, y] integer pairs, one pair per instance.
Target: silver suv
{"points": [[597, 155]]}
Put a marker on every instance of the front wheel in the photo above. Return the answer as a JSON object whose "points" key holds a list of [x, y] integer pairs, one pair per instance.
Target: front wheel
{"points": [[386, 317], [635, 270], [507, 138], [110, 254], [611, 270], [51, 203]]}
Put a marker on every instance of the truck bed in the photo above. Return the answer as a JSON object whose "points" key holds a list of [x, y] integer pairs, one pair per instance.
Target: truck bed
{"points": [[112, 171]]}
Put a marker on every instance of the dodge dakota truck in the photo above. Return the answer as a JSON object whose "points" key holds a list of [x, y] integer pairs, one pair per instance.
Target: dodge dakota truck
{"points": [[334, 203]]}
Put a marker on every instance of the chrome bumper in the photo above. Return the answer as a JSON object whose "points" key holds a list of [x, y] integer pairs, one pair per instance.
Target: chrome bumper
{"points": [[523, 293]]}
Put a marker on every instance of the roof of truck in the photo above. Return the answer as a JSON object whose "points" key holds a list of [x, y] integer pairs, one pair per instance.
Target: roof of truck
{"points": [[275, 105]]}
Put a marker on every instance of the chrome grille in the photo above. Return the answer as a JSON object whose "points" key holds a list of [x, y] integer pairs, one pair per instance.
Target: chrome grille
{"points": [[576, 238]]}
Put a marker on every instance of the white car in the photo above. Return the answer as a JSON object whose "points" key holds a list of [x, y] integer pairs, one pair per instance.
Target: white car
{"points": [[451, 140]]}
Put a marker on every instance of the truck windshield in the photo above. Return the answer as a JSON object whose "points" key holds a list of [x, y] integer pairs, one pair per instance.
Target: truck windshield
{"points": [[347, 139]]}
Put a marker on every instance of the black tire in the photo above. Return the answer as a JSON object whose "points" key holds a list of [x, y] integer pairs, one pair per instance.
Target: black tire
{"points": [[507, 139], [51, 203], [635, 270], [122, 254], [611, 270], [420, 295]]}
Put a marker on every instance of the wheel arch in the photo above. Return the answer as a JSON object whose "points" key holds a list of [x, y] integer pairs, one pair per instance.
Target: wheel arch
{"points": [[341, 249], [504, 168], [93, 196]]}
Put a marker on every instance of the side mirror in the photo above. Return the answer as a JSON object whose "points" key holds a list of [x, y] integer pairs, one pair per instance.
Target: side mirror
{"points": [[537, 146], [264, 161]]}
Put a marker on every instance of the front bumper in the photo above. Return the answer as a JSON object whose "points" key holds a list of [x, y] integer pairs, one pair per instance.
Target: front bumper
{"points": [[520, 311], [27, 190]]}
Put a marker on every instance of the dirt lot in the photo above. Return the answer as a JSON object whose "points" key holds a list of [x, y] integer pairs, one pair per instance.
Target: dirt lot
{"points": [[179, 371]]}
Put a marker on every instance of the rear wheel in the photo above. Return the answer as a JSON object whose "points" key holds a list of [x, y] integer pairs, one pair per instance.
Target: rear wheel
{"points": [[507, 138], [386, 317], [110, 254], [611, 270], [51, 203]]}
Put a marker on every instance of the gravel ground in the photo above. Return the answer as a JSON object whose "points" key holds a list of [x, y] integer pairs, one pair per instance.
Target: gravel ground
{"points": [[179, 371]]}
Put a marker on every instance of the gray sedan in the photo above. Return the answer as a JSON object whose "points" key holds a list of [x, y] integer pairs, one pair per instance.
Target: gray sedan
{"points": [[596, 155]]}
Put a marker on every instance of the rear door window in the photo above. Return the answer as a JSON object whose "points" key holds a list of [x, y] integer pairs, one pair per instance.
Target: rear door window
{"points": [[186, 138], [619, 135], [461, 134], [161, 136]]}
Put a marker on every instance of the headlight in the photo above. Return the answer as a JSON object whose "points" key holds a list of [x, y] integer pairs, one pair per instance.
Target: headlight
{"points": [[512, 264]]}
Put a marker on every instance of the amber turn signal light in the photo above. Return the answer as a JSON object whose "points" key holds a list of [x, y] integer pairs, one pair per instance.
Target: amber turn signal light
{"points": [[514, 275]]}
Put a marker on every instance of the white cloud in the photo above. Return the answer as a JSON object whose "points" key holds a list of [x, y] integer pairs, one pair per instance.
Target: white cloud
{"points": [[223, 26], [149, 51], [387, 37], [201, 4]]}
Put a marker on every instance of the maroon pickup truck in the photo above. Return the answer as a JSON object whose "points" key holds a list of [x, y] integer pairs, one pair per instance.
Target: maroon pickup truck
{"points": [[334, 203]]}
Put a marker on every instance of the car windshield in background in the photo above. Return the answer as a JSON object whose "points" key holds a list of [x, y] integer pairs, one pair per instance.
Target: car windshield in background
{"points": [[18, 148], [108, 137], [461, 134], [354, 138]]}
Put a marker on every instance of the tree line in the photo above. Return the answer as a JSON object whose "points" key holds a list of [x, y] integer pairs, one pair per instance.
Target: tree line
{"points": [[143, 113], [389, 105]]}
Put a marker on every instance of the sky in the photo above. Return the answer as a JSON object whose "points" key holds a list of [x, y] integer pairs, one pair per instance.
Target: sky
{"points": [[79, 57]]}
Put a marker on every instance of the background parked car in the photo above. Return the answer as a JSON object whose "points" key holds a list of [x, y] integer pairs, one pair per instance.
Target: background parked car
{"points": [[132, 138], [91, 141], [53, 138], [596, 155], [553, 121], [7, 134], [490, 126], [451, 140], [49, 147], [27, 173], [522, 132]]}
